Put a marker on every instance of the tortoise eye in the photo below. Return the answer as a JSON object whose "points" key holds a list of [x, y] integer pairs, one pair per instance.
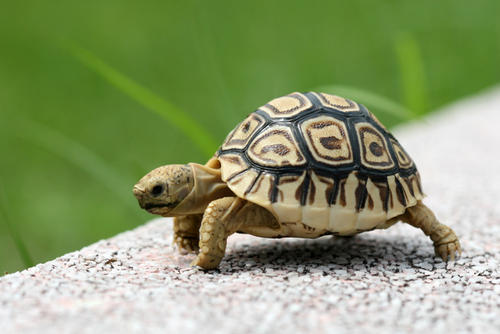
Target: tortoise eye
{"points": [[157, 190]]}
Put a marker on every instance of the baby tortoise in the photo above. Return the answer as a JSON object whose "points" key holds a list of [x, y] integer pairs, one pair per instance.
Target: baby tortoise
{"points": [[302, 165]]}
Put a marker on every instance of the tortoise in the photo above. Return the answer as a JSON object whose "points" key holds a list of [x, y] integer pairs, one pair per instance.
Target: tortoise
{"points": [[303, 165]]}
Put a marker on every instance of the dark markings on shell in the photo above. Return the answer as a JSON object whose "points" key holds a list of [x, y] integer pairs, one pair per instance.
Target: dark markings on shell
{"points": [[376, 149], [400, 192], [279, 196], [232, 159], [369, 200], [252, 184], [404, 160], [302, 190], [342, 200], [243, 128], [312, 192], [360, 194], [274, 189], [302, 102], [271, 191], [279, 149], [331, 143], [401, 156], [235, 182], [338, 106], [336, 190], [308, 228], [383, 190], [408, 181], [231, 135], [331, 192], [294, 178], [236, 174], [298, 192], [320, 125], [258, 183]]}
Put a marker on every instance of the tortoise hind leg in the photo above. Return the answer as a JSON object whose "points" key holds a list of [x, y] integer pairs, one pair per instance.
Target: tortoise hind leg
{"points": [[446, 243]]}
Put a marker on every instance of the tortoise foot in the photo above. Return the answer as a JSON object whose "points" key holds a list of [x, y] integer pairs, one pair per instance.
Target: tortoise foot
{"points": [[446, 243], [186, 245], [448, 250], [206, 261]]}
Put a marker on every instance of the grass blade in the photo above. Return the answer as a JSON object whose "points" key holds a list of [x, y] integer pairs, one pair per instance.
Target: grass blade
{"points": [[16, 237], [78, 155], [205, 46], [185, 123], [412, 72], [371, 100]]}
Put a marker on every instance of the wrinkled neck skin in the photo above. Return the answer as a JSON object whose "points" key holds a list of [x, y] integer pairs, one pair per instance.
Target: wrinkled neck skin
{"points": [[208, 186]]}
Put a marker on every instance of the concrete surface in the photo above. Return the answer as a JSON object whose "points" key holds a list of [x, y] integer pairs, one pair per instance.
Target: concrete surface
{"points": [[383, 281]]}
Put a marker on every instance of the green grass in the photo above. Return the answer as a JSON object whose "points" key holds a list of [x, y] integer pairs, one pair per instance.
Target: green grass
{"points": [[200, 136], [412, 73], [77, 155], [160, 82], [21, 247]]}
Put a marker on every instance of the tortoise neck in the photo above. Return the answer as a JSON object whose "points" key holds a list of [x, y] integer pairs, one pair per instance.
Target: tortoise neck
{"points": [[208, 186]]}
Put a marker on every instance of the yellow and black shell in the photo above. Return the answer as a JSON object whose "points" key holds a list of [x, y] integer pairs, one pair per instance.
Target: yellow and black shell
{"points": [[321, 160]]}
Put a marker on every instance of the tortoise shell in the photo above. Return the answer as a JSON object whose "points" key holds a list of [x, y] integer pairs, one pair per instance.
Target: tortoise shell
{"points": [[321, 160]]}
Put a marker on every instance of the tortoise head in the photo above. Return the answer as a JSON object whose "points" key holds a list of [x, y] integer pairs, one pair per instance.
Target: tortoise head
{"points": [[162, 189]]}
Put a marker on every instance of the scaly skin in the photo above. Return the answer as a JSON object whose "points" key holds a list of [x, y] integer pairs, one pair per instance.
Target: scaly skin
{"points": [[222, 218], [186, 233], [445, 241]]}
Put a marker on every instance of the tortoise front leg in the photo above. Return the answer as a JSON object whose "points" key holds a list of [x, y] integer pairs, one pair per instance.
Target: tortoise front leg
{"points": [[222, 218], [446, 243], [186, 233], [217, 224]]}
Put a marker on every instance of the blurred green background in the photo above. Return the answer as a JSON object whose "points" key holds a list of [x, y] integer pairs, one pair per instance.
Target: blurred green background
{"points": [[76, 136]]}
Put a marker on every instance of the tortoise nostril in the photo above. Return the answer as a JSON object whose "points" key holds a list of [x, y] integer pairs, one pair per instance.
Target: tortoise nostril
{"points": [[157, 190]]}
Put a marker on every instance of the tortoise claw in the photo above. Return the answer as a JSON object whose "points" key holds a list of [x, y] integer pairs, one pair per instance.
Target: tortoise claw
{"points": [[448, 250], [206, 261], [187, 245]]}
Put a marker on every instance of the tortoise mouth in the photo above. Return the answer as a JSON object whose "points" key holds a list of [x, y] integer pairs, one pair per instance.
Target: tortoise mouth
{"points": [[149, 206], [157, 208]]}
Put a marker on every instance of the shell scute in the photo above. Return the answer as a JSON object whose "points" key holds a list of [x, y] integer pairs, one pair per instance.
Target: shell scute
{"points": [[261, 191], [287, 106], [276, 147], [240, 136], [231, 165], [242, 182], [404, 160], [337, 102], [373, 147], [328, 140]]}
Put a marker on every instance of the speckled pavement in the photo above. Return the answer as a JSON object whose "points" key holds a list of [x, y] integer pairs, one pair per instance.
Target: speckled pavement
{"points": [[382, 281]]}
